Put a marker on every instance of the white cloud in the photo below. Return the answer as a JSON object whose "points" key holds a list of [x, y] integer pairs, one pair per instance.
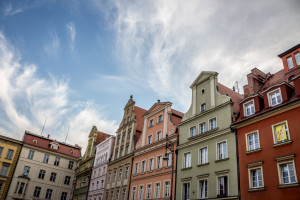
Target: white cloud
{"points": [[9, 11], [71, 30], [53, 46], [27, 99]]}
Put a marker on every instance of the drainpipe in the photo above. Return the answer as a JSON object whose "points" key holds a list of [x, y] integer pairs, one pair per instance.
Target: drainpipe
{"points": [[237, 160]]}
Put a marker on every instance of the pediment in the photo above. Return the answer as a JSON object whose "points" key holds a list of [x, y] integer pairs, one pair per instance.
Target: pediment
{"points": [[156, 106], [203, 76]]}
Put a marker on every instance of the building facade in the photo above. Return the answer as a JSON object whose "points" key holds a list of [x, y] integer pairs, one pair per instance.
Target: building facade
{"points": [[45, 169], [84, 172], [119, 169], [9, 155], [268, 132], [153, 177], [104, 152], [207, 156]]}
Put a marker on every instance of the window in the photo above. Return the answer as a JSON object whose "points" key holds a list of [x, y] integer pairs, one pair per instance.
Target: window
{"points": [[63, 196], [203, 189], [151, 123], [111, 195], [202, 128], [193, 131], [71, 163], [136, 168], [92, 187], [281, 133], [149, 139], [222, 186], [114, 177], [253, 141], [97, 185], [186, 191], [56, 162], [297, 57], [290, 62], [120, 174], [256, 178], [187, 160], [126, 173], [117, 194], [48, 194], [42, 174], [46, 158], [157, 190], [169, 161], [26, 171], [30, 154], [67, 180], [127, 149], [128, 136], [9, 154], [249, 108], [133, 193], [203, 91], [213, 123], [203, 107], [1, 150], [159, 162], [141, 192], [287, 173], [54, 145], [275, 97], [158, 135], [53, 177], [203, 156], [21, 188], [102, 183], [160, 118], [123, 137], [124, 194], [222, 150], [167, 189], [150, 164], [148, 194], [37, 191], [4, 170], [108, 180], [143, 166]]}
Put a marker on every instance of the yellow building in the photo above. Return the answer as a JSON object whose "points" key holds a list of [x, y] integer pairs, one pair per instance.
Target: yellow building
{"points": [[9, 154]]}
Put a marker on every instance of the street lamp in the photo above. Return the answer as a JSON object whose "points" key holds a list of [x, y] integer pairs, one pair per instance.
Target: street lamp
{"points": [[170, 146]]}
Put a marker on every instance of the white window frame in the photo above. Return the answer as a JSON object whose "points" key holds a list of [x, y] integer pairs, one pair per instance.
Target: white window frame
{"points": [[120, 174], [169, 161], [141, 194], [199, 151], [143, 167], [182, 188], [158, 117], [203, 106], [126, 172], [159, 161], [151, 168], [279, 163], [250, 169], [270, 99], [150, 194], [165, 189], [151, 122], [248, 141], [200, 129], [133, 194], [251, 102], [191, 132], [157, 134], [275, 136], [157, 195], [226, 153], [189, 161], [297, 58], [290, 63], [148, 139], [199, 188], [209, 123], [222, 175], [136, 168]]}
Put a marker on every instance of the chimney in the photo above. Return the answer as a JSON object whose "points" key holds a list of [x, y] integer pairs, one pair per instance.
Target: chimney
{"points": [[158, 101]]}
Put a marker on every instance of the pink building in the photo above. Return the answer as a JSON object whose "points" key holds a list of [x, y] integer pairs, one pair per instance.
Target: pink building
{"points": [[104, 151]]}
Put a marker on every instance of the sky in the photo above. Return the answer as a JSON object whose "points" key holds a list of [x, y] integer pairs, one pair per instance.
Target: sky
{"points": [[74, 64]]}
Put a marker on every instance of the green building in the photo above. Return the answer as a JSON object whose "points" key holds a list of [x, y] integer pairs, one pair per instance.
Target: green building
{"points": [[207, 161]]}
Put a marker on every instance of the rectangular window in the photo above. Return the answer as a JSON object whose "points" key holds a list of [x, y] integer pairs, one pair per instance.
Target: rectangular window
{"points": [[253, 141], [297, 57], [42, 174], [71, 163], [287, 173], [167, 189], [4, 170], [114, 177], [256, 178], [159, 162], [281, 133], [21, 188], [108, 180], [149, 190], [203, 155], [222, 186], [26, 171], [213, 124], [160, 118], [63, 196], [126, 173], [187, 160], [193, 131], [53, 177], [203, 107], [169, 160], [202, 127], [141, 192], [117, 194], [275, 98], [128, 136], [9, 154], [102, 183], [112, 195], [149, 139], [203, 189], [157, 190], [46, 158], [124, 194], [30, 154], [290, 62], [186, 191], [37, 191], [158, 135], [222, 150], [120, 174], [249, 108], [133, 193], [67, 180], [151, 123], [143, 166], [1, 150], [127, 149], [150, 164], [48, 194], [136, 168], [56, 162]]}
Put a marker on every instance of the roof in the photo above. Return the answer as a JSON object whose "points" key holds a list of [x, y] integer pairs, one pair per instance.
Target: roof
{"points": [[235, 97], [101, 137], [139, 112], [289, 50], [44, 143], [2, 137]]}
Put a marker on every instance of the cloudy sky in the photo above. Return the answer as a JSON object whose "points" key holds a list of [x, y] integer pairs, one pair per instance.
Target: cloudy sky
{"points": [[77, 62]]}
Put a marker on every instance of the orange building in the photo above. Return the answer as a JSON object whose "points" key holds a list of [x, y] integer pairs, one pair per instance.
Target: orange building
{"points": [[154, 160]]}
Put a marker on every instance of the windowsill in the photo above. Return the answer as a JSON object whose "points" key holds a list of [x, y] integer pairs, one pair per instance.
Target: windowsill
{"points": [[204, 164], [158, 169], [256, 189], [220, 160], [288, 185], [186, 168], [282, 143], [253, 151], [150, 171], [203, 134], [135, 174], [159, 122], [165, 167], [150, 126], [142, 173]]}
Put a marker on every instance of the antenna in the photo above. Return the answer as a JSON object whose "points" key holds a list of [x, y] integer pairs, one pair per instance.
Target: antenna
{"points": [[67, 133], [44, 126], [236, 87]]}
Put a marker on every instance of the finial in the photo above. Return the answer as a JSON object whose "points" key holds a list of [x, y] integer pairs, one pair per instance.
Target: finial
{"points": [[158, 101], [131, 96]]}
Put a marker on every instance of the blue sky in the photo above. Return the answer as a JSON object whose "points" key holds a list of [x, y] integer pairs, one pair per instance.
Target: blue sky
{"points": [[77, 62]]}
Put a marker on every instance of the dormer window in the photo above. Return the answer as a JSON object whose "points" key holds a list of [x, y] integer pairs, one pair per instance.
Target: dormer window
{"points": [[297, 57], [203, 107], [249, 108], [275, 97], [290, 62], [34, 141], [54, 145]]}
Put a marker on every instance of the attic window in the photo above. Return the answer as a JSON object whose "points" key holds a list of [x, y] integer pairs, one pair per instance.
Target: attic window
{"points": [[203, 91], [71, 151], [34, 141], [54, 145], [290, 62]]}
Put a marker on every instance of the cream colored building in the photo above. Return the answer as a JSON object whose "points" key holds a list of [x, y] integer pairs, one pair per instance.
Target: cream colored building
{"points": [[45, 170]]}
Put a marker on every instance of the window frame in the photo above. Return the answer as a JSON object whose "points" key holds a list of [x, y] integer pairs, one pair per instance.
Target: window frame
{"points": [[195, 132], [282, 162], [169, 189], [288, 59], [200, 129], [182, 188], [199, 157], [159, 190], [37, 191], [9, 154], [297, 58], [184, 160], [152, 164], [151, 123], [270, 99], [159, 162], [143, 167], [209, 123], [136, 168], [217, 186], [147, 191], [158, 118], [30, 154], [245, 108], [203, 107], [199, 188], [217, 152], [148, 139], [248, 141], [42, 174], [275, 142], [250, 169], [159, 135]]}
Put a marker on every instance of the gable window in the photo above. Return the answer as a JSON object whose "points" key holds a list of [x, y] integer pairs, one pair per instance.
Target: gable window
{"points": [[160, 118], [53, 177], [187, 160], [193, 131], [281, 133], [222, 186], [186, 191], [30, 154], [9, 154], [157, 190], [141, 192], [26, 171], [213, 123], [167, 189], [203, 189], [275, 97], [158, 135], [150, 164], [46, 158], [202, 127], [143, 166], [56, 162], [148, 194], [136, 168], [249, 108], [126, 173], [149, 139], [151, 123], [37, 191], [287, 173], [42, 174], [203, 107], [297, 57], [203, 156], [159, 162], [256, 179], [290, 63], [222, 150]]}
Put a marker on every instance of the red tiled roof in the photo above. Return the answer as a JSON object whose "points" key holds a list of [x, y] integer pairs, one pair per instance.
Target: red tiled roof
{"points": [[101, 137], [44, 143], [139, 112], [235, 97], [176, 117]]}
